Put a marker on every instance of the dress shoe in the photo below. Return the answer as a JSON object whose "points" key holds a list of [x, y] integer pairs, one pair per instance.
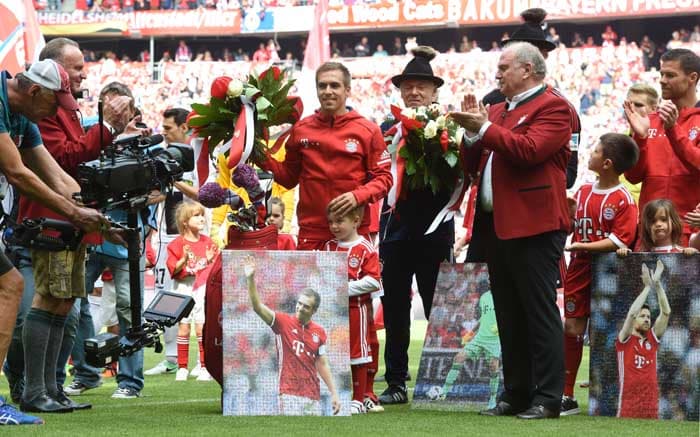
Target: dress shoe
{"points": [[44, 404], [502, 408], [539, 412], [64, 400]]}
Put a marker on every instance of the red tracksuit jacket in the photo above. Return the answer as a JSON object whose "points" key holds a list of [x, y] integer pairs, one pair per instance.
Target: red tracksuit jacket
{"points": [[328, 156], [669, 163]]}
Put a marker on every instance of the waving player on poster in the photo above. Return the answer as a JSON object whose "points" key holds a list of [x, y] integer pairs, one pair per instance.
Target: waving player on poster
{"points": [[301, 347], [637, 345]]}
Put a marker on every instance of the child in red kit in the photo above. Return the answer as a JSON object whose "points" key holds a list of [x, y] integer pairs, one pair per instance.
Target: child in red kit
{"points": [[605, 220], [364, 284], [189, 260], [284, 241]]}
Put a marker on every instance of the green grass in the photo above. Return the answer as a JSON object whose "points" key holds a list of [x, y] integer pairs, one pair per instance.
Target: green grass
{"points": [[192, 408]]}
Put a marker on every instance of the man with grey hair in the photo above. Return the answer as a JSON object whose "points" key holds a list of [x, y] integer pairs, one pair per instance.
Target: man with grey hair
{"points": [[517, 152], [64, 138], [25, 100]]}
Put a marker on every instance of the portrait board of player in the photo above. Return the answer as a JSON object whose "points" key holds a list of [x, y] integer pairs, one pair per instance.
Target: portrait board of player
{"points": [[285, 333], [645, 336], [460, 366]]}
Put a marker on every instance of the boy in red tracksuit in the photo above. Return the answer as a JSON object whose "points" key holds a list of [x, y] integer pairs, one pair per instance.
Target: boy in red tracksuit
{"points": [[668, 140], [364, 284], [337, 157]]}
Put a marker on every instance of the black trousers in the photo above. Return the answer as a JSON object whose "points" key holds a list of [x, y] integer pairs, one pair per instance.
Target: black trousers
{"points": [[400, 261], [523, 274]]}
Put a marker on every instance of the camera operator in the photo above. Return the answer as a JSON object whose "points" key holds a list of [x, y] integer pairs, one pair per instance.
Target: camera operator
{"points": [[175, 130], [25, 100], [114, 256], [70, 145]]}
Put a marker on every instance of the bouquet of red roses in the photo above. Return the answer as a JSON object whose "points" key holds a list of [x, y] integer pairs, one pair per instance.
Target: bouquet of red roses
{"points": [[241, 114]]}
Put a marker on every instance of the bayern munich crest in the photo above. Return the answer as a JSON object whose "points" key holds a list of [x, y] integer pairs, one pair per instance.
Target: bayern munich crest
{"points": [[351, 145], [608, 213], [693, 133], [315, 338], [570, 306], [353, 262]]}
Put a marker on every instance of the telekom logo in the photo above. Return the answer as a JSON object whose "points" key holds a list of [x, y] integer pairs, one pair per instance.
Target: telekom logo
{"points": [[639, 361], [298, 347]]}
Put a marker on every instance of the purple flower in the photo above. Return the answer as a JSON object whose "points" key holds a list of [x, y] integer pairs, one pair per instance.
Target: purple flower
{"points": [[212, 195], [245, 176]]}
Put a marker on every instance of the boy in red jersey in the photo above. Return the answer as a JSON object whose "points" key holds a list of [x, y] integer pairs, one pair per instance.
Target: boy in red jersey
{"points": [[605, 220], [364, 283], [636, 345], [301, 349]]}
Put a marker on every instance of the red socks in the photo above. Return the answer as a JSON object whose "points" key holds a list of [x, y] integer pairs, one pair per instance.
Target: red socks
{"points": [[573, 349], [183, 351], [359, 381]]}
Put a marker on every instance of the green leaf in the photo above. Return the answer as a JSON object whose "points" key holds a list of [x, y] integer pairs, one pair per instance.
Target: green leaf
{"points": [[201, 108], [261, 104], [410, 167], [198, 121], [451, 159]]}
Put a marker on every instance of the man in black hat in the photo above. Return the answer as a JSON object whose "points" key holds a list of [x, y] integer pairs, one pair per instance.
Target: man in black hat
{"points": [[404, 248]]}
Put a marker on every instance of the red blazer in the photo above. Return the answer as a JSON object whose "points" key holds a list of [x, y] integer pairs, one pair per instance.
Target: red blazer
{"points": [[531, 150]]}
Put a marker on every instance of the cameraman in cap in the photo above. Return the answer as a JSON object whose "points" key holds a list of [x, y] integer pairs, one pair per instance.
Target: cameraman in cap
{"points": [[70, 145], [25, 100]]}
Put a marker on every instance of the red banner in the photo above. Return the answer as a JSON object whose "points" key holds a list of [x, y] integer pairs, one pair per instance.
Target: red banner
{"points": [[20, 38], [479, 12], [176, 22]]}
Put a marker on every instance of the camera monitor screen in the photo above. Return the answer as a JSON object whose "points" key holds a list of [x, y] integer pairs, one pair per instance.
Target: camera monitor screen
{"points": [[169, 307]]}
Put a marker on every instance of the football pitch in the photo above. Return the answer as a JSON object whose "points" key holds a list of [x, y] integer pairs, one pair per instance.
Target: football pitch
{"points": [[192, 408]]}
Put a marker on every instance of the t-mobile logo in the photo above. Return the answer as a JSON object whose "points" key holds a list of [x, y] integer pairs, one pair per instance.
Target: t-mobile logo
{"points": [[298, 347]]}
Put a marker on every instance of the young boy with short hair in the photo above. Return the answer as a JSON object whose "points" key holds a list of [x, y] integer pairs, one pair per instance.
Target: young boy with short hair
{"points": [[605, 220], [364, 283]]}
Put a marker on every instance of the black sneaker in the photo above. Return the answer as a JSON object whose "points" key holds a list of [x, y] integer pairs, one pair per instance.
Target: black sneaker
{"points": [[569, 406], [395, 394]]}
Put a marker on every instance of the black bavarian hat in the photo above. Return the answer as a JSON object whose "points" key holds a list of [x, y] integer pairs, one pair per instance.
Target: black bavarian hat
{"points": [[532, 30], [419, 67]]}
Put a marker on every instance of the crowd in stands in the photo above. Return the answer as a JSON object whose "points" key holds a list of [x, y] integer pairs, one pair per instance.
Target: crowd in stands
{"points": [[594, 79]]}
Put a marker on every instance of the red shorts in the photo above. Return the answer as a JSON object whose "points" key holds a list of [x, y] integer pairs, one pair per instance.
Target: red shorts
{"points": [[577, 289], [361, 333]]}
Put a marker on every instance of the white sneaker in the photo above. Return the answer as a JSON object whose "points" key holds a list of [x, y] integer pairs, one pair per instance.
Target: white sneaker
{"points": [[372, 407], [195, 372], [164, 366], [356, 407], [203, 375], [181, 374]]}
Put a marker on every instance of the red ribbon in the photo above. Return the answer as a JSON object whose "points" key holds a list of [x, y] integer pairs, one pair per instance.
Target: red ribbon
{"points": [[237, 142]]}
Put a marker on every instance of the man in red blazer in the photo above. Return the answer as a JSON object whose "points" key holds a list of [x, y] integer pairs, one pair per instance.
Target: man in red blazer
{"points": [[517, 152]]}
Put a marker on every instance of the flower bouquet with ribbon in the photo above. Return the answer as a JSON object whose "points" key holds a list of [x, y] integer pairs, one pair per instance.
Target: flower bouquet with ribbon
{"points": [[240, 114], [425, 154]]}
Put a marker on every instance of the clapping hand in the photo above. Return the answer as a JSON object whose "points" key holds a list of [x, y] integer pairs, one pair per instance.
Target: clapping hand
{"points": [[646, 276], [474, 114], [656, 277], [637, 119], [212, 250], [693, 217], [668, 112]]}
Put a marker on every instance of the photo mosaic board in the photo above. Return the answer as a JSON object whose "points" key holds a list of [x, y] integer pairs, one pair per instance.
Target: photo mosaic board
{"points": [[650, 367], [460, 366], [277, 369]]}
